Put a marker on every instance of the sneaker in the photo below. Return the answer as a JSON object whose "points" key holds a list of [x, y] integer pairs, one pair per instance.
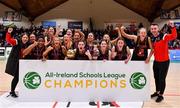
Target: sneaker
{"points": [[13, 94], [92, 103], [159, 99], [155, 94], [105, 103]]}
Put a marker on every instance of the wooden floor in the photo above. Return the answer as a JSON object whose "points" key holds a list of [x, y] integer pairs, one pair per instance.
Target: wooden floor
{"points": [[172, 93], [5, 79]]}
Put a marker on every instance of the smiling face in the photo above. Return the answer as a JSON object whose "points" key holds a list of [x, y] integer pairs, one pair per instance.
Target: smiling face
{"points": [[142, 33], [51, 31], [106, 37], [154, 30], [103, 45], [40, 42], [69, 33], [32, 38], [56, 42], [76, 36], [24, 39], [90, 37], [120, 43]]}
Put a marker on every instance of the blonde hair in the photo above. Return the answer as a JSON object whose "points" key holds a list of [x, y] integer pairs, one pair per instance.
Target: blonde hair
{"points": [[142, 29]]}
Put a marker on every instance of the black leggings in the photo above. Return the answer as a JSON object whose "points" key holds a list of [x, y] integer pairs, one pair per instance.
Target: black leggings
{"points": [[160, 72], [14, 81]]}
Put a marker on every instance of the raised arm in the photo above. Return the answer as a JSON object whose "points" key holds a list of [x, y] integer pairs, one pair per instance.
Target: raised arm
{"points": [[58, 30], [45, 53], [119, 35], [114, 41], [173, 35], [118, 30], [64, 50], [88, 54], [151, 52], [128, 55], [109, 55], [113, 53], [46, 43], [29, 49], [133, 37], [9, 38]]}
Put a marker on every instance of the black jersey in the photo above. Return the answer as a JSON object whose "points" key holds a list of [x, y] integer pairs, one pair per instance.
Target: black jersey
{"points": [[103, 56], [37, 53], [140, 51], [79, 56], [121, 55], [56, 54]]}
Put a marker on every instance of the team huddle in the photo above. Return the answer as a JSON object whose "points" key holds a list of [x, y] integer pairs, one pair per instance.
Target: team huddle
{"points": [[77, 46]]}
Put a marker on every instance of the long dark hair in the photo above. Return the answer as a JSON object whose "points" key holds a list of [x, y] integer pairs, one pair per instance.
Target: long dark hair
{"points": [[77, 49], [124, 49], [24, 45], [107, 49]]}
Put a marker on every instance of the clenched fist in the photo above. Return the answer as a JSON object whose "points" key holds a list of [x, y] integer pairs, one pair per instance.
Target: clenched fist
{"points": [[10, 30]]}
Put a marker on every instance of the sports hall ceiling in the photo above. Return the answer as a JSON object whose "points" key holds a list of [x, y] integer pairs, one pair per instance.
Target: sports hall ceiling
{"points": [[149, 9]]}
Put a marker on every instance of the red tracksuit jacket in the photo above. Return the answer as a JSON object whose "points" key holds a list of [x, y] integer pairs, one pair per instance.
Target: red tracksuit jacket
{"points": [[161, 52]]}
